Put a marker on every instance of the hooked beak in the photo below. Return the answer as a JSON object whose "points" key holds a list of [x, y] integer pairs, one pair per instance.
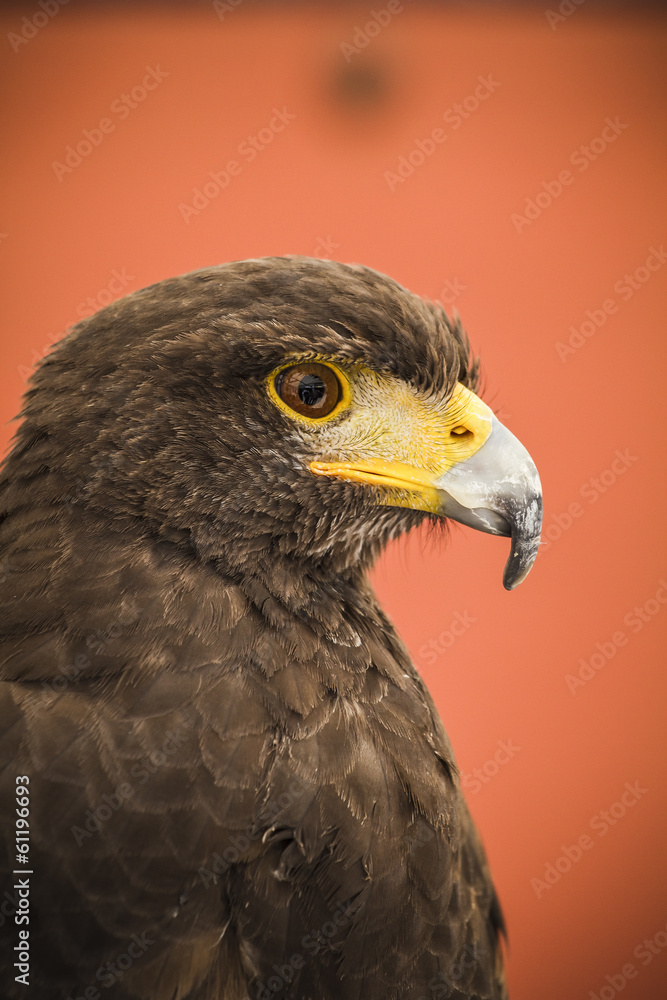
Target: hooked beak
{"points": [[483, 477], [498, 490]]}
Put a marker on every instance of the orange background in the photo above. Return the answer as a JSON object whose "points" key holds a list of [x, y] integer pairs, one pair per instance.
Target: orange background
{"points": [[319, 188]]}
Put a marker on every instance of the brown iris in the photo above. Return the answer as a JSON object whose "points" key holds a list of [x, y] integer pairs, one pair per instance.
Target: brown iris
{"points": [[311, 389]]}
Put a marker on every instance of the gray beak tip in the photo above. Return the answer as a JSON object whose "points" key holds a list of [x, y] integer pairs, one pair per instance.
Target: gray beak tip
{"points": [[526, 527]]}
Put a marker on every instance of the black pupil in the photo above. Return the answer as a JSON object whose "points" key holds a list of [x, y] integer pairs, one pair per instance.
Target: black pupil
{"points": [[311, 390]]}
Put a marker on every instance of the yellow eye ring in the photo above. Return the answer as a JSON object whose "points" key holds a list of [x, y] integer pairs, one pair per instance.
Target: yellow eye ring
{"points": [[312, 391]]}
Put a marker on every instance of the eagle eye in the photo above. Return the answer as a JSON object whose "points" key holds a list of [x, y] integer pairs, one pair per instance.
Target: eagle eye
{"points": [[311, 389]]}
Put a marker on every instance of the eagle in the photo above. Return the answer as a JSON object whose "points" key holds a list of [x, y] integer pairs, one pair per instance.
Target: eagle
{"points": [[221, 775]]}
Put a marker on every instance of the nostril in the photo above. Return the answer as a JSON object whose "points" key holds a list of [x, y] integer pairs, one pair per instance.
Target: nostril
{"points": [[462, 433]]}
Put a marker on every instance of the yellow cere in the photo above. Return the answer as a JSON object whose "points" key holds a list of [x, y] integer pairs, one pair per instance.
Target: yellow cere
{"points": [[392, 436]]}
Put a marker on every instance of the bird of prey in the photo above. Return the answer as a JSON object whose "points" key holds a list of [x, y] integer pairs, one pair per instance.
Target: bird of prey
{"points": [[221, 775]]}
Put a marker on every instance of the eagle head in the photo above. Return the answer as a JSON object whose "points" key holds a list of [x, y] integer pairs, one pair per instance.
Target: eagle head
{"points": [[278, 409]]}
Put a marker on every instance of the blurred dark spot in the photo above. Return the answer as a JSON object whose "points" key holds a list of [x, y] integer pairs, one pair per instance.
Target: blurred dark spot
{"points": [[361, 85]]}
